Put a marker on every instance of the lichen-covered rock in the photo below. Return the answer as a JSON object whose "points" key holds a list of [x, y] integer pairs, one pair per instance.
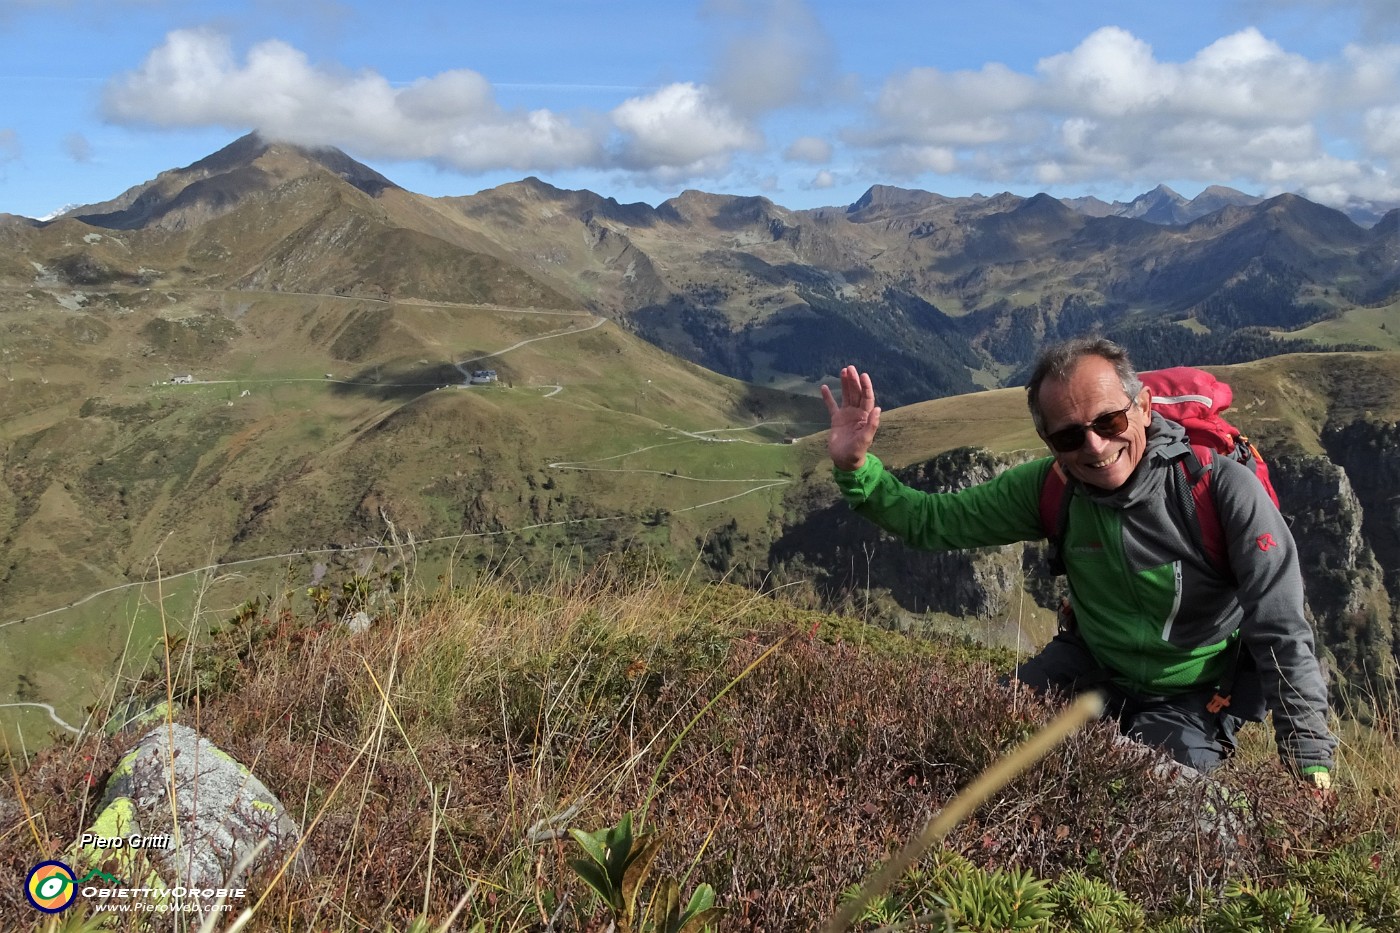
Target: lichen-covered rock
{"points": [[220, 813], [130, 865]]}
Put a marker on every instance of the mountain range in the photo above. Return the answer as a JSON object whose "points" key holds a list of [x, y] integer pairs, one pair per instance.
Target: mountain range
{"points": [[941, 295], [656, 366], [938, 294]]}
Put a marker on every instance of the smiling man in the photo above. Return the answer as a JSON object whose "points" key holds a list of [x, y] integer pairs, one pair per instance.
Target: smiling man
{"points": [[1152, 621]]}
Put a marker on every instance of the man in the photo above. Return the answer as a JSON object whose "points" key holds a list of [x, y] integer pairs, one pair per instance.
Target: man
{"points": [[1155, 625]]}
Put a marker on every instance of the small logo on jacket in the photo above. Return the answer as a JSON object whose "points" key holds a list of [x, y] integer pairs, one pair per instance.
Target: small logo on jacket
{"points": [[1265, 542]]}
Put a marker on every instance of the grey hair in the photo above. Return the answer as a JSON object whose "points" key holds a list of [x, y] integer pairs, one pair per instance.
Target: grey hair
{"points": [[1059, 361]]}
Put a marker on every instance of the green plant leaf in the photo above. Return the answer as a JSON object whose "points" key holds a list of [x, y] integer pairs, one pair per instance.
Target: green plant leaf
{"points": [[702, 899], [592, 843], [695, 923], [619, 844], [597, 879]]}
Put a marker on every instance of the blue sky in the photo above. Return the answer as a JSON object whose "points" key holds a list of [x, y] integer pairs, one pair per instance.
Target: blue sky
{"points": [[807, 103]]}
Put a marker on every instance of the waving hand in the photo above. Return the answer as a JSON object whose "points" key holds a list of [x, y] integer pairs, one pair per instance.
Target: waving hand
{"points": [[854, 421]]}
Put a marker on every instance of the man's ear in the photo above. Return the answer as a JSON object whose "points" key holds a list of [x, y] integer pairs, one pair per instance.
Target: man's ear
{"points": [[1144, 401]]}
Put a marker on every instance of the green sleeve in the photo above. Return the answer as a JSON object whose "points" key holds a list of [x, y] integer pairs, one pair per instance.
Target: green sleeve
{"points": [[1002, 510]]}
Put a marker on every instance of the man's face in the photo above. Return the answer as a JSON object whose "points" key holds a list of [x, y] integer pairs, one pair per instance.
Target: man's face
{"points": [[1092, 391]]}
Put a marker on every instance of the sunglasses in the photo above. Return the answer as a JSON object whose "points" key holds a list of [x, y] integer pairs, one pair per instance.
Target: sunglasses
{"points": [[1067, 440]]}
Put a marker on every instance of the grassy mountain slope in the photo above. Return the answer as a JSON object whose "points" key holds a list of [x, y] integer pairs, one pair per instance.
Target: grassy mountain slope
{"points": [[111, 474]]}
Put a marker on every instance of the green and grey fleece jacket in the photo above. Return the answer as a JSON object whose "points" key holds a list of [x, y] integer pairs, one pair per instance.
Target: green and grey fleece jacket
{"points": [[1148, 604]]}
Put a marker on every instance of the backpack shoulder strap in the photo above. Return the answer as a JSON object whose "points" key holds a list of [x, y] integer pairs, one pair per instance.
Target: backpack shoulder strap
{"points": [[1055, 496], [1196, 497], [1204, 519]]}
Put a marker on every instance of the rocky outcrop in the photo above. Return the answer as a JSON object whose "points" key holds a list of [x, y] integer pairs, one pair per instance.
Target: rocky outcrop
{"points": [[183, 821], [1348, 600], [1369, 452]]}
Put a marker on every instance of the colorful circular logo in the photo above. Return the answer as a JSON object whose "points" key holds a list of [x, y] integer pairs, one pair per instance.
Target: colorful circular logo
{"points": [[51, 887]]}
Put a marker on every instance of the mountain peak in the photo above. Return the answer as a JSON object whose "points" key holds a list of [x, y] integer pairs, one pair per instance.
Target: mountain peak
{"points": [[251, 148], [581, 204], [220, 181], [889, 197], [537, 185]]}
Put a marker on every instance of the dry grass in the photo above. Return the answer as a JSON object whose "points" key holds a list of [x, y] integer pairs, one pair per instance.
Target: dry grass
{"points": [[436, 760]]}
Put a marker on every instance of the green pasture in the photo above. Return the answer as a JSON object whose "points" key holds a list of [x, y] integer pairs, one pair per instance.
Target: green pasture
{"points": [[1378, 327], [73, 658], [684, 473], [995, 419]]}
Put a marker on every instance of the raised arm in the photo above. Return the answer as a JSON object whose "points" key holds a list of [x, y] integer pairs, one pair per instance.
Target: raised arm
{"points": [[853, 422]]}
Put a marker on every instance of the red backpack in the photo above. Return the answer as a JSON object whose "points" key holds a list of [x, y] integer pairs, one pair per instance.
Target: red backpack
{"points": [[1194, 399]]}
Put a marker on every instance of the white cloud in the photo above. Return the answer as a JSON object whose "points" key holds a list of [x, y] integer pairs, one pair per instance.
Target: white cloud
{"points": [[1372, 73], [1242, 109], [1382, 126], [1242, 77], [822, 179], [1111, 73], [925, 105], [811, 149], [681, 128], [194, 79], [910, 161]]}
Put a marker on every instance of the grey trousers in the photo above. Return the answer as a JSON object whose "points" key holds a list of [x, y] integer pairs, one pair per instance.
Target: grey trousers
{"points": [[1181, 724]]}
